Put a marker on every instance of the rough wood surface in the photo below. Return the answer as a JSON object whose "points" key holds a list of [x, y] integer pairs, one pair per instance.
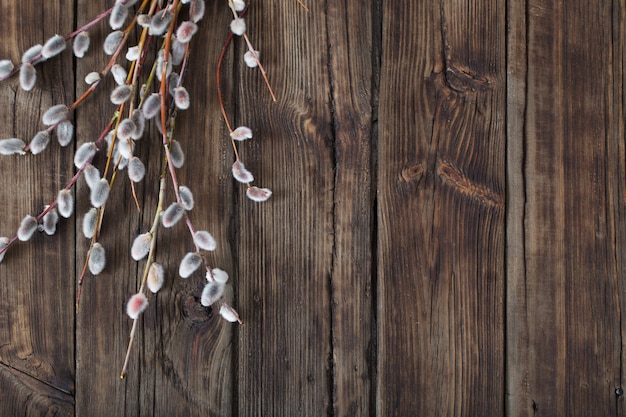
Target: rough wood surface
{"points": [[446, 233]]}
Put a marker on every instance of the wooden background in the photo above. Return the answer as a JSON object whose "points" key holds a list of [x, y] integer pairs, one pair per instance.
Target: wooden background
{"points": [[447, 234]]}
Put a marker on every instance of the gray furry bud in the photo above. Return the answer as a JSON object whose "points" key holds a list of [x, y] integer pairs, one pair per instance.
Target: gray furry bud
{"points": [[160, 21], [172, 215], [258, 194], [84, 154], [197, 10], [112, 42], [136, 169], [81, 44], [151, 105], [53, 46], [4, 241], [211, 293], [121, 94], [27, 228], [204, 240], [12, 146], [156, 277], [39, 142], [6, 67], [185, 31], [50, 220], [65, 132], [119, 74], [186, 197], [141, 246], [99, 193], [97, 259], [65, 203], [140, 123], [54, 115], [91, 175], [125, 129], [181, 98], [241, 174], [177, 154], [189, 264], [89, 222], [118, 16], [31, 53], [28, 76]]}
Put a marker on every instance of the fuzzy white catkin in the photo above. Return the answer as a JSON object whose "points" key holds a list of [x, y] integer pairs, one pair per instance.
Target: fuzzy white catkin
{"points": [[141, 246], [50, 220], [12, 146], [190, 263], [186, 197], [144, 20], [28, 76], [258, 194], [136, 169], [238, 26], [125, 129], [156, 277], [177, 154], [133, 53], [99, 193], [239, 5], [92, 77], [91, 175], [151, 105], [204, 240], [65, 203], [118, 16], [198, 8], [219, 275], [121, 94], [81, 44], [241, 174], [27, 228], [84, 154], [172, 215], [125, 148], [97, 259], [241, 133], [31, 53], [39, 142], [64, 132], [177, 52], [185, 31], [4, 241], [159, 68], [228, 314], [112, 42], [181, 98], [211, 293], [6, 67], [119, 74], [89, 222], [160, 22], [140, 123], [53, 46], [250, 60], [136, 305], [54, 115]]}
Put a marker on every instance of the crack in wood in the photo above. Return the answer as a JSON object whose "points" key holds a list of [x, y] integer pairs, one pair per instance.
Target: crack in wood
{"points": [[454, 177]]}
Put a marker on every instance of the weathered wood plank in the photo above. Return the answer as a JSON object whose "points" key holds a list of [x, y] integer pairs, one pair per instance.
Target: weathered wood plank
{"points": [[351, 28], [181, 363], [441, 209], [285, 245], [563, 303], [36, 278]]}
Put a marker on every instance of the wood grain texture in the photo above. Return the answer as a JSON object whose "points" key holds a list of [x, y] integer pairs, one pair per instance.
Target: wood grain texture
{"points": [[36, 278], [441, 209], [565, 300]]}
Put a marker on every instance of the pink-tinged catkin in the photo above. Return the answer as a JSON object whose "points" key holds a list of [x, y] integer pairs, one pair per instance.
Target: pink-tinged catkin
{"points": [[211, 293], [84, 154], [121, 94], [238, 26], [141, 246], [89, 222], [4, 241], [190, 263], [54, 115], [91, 175], [204, 240], [198, 8], [140, 123], [100, 193], [31, 53], [28, 76], [64, 132], [181, 98], [12, 146], [172, 215], [258, 194], [97, 259], [241, 133], [39, 142], [217, 275], [81, 44], [151, 105], [53, 46], [125, 129], [27, 228], [118, 16], [65, 203], [241, 174], [250, 60], [50, 220], [119, 74], [186, 197], [6, 67], [156, 277], [136, 305], [112, 42], [228, 314], [177, 154], [185, 31], [136, 169]]}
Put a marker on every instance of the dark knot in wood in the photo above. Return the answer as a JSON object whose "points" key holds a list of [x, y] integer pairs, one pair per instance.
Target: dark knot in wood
{"points": [[194, 311]]}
